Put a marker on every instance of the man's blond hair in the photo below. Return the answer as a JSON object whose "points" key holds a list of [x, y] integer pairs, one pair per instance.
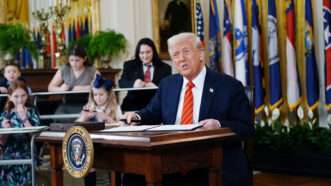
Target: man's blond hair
{"points": [[183, 36]]}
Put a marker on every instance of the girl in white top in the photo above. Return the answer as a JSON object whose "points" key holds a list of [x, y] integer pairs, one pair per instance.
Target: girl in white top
{"points": [[102, 104]]}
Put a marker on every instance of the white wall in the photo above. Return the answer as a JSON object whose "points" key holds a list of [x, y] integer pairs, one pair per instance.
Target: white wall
{"points": [[131, 17]]}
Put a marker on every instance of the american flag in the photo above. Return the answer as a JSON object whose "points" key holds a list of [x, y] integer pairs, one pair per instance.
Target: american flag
{"points": [[199, 21]]}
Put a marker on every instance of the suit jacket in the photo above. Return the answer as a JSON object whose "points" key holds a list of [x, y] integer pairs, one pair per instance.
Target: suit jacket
{"points": [[224, 99], [132, 71]]}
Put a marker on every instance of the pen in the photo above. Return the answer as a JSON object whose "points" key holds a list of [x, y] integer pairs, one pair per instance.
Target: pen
{"points": [[132, 121]]}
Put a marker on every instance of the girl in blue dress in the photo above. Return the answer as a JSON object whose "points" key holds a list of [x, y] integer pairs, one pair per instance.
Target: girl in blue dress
{"points": [[18, 113]]}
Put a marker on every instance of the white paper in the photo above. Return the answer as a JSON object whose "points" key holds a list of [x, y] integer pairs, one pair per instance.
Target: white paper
{"points": [[52, 134], [175, 127], [118, 137], [131, 128]]}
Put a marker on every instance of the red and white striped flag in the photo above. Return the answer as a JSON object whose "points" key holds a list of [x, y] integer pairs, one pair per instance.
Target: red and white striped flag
{"points": [[226, 41], [293, 88]]}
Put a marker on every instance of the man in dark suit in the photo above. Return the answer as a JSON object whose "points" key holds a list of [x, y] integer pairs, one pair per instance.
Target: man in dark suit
{"points": [[145, 70], [218, 101]]}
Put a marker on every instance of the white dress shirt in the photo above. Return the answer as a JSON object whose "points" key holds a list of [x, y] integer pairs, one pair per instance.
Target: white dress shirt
{"points": [[197, 90]]}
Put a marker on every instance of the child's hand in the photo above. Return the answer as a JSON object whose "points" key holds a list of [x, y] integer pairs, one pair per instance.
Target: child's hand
{"points": [[65, 87], [6, 123], [3, 90], [86, 115], [104, 117]]}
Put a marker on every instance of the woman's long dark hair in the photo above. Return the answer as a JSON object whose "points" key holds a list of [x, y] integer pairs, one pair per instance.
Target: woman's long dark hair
{"points": [[79, 51], [12, 87], [150, 43]]}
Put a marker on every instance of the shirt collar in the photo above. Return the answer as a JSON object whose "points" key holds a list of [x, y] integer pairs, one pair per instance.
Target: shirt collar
{"points": [[100, 108], [148, 65], [199, 80]]}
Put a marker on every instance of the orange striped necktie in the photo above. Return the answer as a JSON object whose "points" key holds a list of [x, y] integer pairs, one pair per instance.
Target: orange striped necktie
{"points": [[187, 112]]}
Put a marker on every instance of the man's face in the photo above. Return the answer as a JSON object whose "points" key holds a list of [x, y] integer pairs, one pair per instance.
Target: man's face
{"points": [[187, 58], [12, 73]]}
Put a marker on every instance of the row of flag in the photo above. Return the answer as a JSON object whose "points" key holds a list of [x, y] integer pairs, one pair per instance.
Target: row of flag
{"points": [[229, 52], [70, 32]]}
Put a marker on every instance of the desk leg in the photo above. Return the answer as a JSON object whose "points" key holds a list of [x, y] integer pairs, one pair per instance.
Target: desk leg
{"points": [[215, 169], [115, 178], [153, 173], [56, 165]]}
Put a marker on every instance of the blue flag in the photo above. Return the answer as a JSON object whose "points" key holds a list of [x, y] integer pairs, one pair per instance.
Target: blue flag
{"points": [[214, 37], [257, 67], [275, 92], [27, 58], [312, 86]]}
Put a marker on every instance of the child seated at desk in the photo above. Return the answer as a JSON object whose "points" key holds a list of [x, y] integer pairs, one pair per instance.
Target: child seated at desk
{"points": [[11, 73], [18, 113], [102, 105], [76, 75]]}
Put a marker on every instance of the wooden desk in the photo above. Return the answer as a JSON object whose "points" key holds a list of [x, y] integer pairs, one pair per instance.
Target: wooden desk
{"points": [[149, 153]]}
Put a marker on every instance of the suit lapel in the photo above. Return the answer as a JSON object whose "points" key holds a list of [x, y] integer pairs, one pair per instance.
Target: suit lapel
{"points": [[174, 95], [207, 95], [140, 71], [156, 74]]}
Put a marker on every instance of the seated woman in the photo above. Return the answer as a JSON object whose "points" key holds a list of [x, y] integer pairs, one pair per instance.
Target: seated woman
{"points": [[145, 70], [18, 113], [77, 75], [101, 106]]}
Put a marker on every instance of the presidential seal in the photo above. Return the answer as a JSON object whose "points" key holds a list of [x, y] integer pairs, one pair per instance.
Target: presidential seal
{"points": [[77, 151]]}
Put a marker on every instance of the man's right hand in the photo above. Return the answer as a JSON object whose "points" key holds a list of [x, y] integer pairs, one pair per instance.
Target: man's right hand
{"points": [[130, 116]]}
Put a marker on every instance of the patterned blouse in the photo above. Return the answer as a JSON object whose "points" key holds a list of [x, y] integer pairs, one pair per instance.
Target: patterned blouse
{"points": [[17, 146]]}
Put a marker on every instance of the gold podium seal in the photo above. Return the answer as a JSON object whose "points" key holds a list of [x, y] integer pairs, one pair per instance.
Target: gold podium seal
{"points": [[77, 151]]}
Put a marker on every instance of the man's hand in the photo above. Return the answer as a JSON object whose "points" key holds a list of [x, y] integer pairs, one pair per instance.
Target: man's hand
{"points": [[138, 83], [129, 116], [210, 124], [3, 90]]}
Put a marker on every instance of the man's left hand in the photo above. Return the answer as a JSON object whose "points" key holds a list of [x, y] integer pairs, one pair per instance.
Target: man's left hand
{"points": [[210, 124]]}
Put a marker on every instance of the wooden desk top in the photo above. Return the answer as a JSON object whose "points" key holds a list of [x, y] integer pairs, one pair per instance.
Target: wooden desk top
{"points": [[148, 140]]}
